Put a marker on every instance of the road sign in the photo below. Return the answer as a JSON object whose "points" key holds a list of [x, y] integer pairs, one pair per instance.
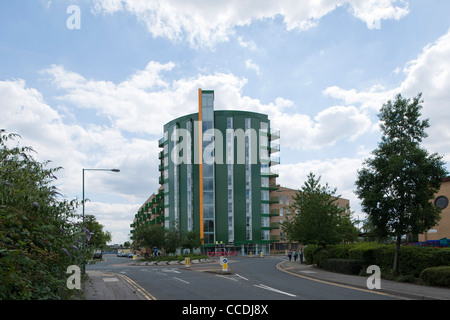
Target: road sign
{"points": [[224, 264], [187, 262]]}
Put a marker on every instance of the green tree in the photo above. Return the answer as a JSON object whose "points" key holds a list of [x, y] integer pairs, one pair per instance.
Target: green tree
{"points": [[39, 233], [397, 185], [316, 217], [149, 236], [99, 237], [192, 240], [172, 240]]}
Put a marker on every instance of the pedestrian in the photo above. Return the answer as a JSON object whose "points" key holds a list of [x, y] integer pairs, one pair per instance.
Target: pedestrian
{"points": [[301, 255], [295, 255], [290, 254]]}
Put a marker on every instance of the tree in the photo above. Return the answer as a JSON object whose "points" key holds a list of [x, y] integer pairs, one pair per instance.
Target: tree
{"points": [[316, 217], [192, 240], [149, 236], [397, 185], [99, 237], [172, 240]]}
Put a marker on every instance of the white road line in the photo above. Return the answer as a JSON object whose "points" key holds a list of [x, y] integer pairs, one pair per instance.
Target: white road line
{"points": [[274, 290], [180, 280], [170, 270], [225, 277], [242, 277]]}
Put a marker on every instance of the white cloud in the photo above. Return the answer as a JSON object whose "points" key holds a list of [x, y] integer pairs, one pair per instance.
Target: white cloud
{"points": [[429, 73], [251, 45], [149, 101], [205, 23], [250, 65]]}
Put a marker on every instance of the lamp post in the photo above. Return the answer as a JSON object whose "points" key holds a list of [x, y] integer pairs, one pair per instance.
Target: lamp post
{"points": [[84, 238]]}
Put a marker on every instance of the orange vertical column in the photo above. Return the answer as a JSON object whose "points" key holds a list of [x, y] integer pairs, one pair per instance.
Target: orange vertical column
{"points": [[200, 165]]}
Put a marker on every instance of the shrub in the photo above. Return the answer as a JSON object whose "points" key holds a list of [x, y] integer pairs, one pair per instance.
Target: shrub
{"points": [[39, 238], [436, 276], [346, 266], [412, 260]]}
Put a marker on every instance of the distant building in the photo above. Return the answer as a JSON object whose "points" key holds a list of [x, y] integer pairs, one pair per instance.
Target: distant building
{"points": [[280, 211], [442, 229]]}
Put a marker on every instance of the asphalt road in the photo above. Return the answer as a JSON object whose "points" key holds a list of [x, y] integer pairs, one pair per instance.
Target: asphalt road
{"points": [[251, 279]]}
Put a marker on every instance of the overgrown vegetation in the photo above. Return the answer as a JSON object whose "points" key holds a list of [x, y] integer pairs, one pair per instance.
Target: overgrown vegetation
{"points": [[39, 233]]}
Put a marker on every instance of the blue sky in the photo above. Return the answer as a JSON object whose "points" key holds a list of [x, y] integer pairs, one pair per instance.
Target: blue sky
{"points": [[98, 96]]}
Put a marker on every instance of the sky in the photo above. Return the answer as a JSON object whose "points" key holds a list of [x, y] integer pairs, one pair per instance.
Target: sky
{"points": [[90, 84]]}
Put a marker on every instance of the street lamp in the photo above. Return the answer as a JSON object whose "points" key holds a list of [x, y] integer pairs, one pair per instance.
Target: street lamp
{"points": [[84, 238]]}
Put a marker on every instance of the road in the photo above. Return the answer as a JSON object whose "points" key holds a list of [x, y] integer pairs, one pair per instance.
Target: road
{"points": [[251, 279]]}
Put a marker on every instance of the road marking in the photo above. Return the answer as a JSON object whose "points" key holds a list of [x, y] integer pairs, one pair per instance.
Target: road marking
{"points": [[225, 277], [134, 286], [170, 270], [274, 290], [110, 279], [180, 280], [241, 277]]}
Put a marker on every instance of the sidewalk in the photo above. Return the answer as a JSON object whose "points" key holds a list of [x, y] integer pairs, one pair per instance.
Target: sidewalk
{"points": [[394, 288], [112, 286]]}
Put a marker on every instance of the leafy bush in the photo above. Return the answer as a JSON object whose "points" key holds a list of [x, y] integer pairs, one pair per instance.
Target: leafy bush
{"points": [[38, 238], [436, 276], [346, 266], [412, 260]]}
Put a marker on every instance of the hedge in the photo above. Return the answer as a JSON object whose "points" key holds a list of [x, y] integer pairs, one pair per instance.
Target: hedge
{"points": [[346, 266], [412, 260], [436, 276]]}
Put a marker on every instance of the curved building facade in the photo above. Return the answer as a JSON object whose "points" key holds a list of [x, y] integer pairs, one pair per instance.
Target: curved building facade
{"points": [[216, 175]]}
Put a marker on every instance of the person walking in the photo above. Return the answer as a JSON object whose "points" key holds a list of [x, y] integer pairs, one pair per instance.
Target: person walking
{"points": [[290, 255], [295, 255]]}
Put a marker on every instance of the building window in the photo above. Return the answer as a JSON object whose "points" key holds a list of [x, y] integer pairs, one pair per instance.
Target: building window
{"points": [[287, 200], [441, 202], [281, 199]]}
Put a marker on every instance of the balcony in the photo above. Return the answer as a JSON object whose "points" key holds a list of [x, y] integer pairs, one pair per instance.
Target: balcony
{"points": [[161, 143], [274, 213], [274, 135], [274, 225], [274, 160], [274, 147], [274, 238], [274, 200]]}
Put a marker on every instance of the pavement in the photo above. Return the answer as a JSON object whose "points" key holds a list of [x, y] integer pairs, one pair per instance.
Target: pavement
{"points": [[114, 286], [387, 287]]}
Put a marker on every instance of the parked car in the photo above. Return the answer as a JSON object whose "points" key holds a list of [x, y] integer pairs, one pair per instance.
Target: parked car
{"points": [[98, 255], [121, 254]]}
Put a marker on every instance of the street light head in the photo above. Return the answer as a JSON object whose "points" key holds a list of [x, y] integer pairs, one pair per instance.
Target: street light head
{"points": [[115, 170]]}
